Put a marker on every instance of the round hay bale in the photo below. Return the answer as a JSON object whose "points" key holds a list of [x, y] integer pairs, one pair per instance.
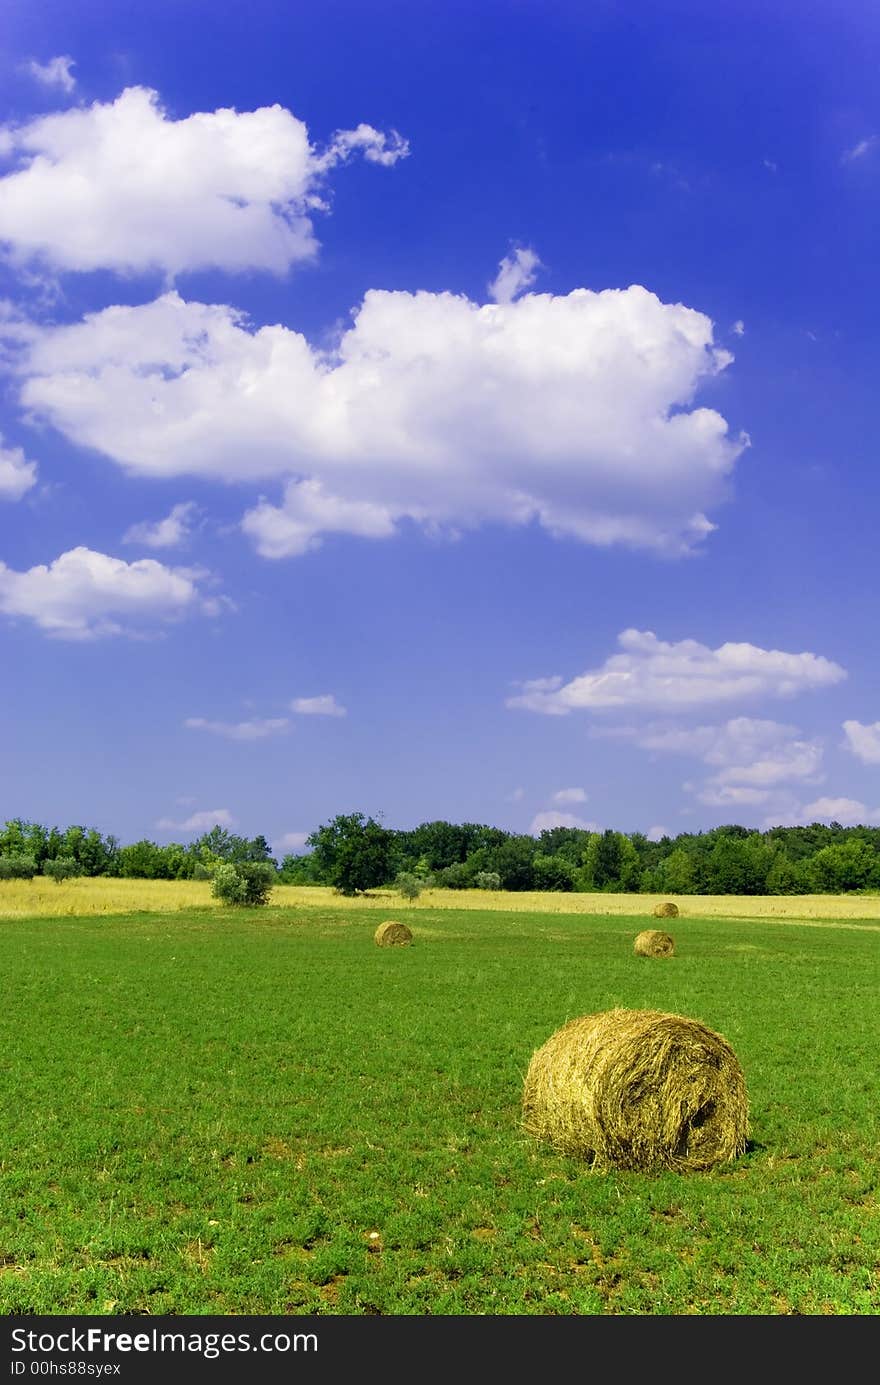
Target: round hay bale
{"points": [[653, 942], [392, 934], [638, 1089], [667, 910]]}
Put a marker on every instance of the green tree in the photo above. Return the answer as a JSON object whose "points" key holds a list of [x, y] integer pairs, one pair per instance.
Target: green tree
{"points": [[142, 860], [676, 874], [300, 870], [853, 865], [785, 876], [610, 862], [513, 860], [552, 873], [353, 852], [739, 865], [629, 865]]}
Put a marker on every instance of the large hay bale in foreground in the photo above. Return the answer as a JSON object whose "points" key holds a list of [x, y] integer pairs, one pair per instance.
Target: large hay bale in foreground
{"points": [[638, 1089], [667, 910], [653, 942], [392, 934]]}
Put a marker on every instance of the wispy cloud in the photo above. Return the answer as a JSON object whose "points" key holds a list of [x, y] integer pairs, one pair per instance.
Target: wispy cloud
{"points": [[169, 532], [847, 811], [199, 822], [54, 73], [859, 150], [516, 272], [256, 730], [323, 706]]}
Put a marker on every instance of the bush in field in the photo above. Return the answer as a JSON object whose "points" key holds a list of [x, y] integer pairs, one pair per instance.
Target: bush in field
{"points": [[408, 884], [458, 876], [62, 868], [17, 867], [487, 880], [246, 883]]}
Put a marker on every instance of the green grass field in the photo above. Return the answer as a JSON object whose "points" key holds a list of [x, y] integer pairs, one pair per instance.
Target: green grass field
{"points": [[261, 1112]]}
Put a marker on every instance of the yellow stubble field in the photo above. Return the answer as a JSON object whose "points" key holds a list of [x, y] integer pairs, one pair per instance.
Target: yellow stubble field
{"points": [[42, 898]]}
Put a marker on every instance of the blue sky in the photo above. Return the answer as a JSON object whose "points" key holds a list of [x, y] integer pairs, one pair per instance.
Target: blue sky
{"points": [[438, 411]]}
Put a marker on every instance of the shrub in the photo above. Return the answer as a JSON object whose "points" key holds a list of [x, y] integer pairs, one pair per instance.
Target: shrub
{"points": [[17, 867], [62, 868], [408, 884], [246, 883], [487, 880], [454, 877]]}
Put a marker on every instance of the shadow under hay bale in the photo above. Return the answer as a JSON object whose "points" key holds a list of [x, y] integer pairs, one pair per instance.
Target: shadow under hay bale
{"points": [[392, 934], [638, 1089], [653, 942], [667, 910]]}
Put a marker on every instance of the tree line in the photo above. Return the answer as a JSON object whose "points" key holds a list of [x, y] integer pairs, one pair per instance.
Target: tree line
{"points": [[354, 853]]}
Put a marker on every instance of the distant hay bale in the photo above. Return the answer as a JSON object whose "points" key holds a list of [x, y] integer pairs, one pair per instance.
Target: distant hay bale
{"points": [[668, 910], [638, 1089], [392, 934], [653, 942]]}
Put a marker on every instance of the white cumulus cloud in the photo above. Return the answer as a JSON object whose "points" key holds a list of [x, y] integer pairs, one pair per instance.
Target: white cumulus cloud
{"points": [[17, 474], [306, 514], [54, 73], [570, 796], [86, 595], [657, 833], [122, 186], [544, 821], [575, 412], [863, 741], [169, 532], [255, 730], [323, 706], [292, 843], [654, 673], [375, 145]]}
